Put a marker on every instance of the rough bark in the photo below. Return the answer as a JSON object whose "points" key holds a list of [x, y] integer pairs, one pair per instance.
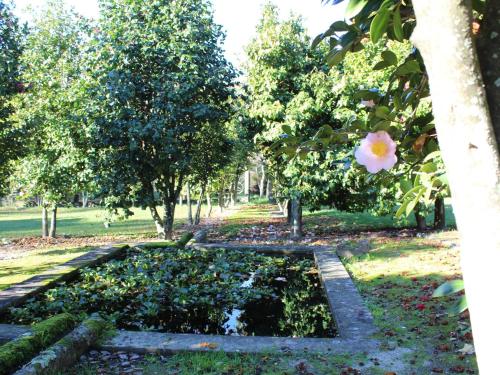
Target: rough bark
{"points": [[296, 210], [470, 152], [419, 219], [45, 222], [53, 222], [439, 214], [234, 197], [168, 219], [189, 204], [269, 187]]}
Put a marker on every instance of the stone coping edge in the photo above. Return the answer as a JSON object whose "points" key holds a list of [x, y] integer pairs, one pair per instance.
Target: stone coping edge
{"points": [[155, 342]]}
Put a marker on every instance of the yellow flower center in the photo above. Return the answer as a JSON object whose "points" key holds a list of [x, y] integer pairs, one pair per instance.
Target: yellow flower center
{"points": [[379, 149]]}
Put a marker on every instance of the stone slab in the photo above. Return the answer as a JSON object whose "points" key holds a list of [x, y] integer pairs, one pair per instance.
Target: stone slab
{"points": [[353, 319], [164, 343], [66, 351], [19, 293]]}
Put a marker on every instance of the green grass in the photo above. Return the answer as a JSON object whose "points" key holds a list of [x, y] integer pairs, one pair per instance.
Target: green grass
{"points": [[397, 279], [14, 271], [347, 221], [24, 222]]}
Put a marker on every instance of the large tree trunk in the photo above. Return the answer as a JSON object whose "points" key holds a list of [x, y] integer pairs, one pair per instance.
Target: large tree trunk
{"points": [[45, 222], [296, 210], [189, 204], [420, 219], [53, 222], [470, 152], [198, 204], [439, 214], [158, 221]]}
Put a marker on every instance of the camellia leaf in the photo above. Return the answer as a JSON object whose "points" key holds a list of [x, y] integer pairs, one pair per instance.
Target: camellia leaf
{"points": [[379, 24], [398, 26], [354, 7], [408, 67], [390, 57], [381, 65], [335, 57], [448, 288], [459, 308]]}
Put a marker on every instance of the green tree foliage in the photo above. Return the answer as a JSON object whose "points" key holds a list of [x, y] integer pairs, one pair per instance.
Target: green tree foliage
{"points": [[162, 85], [52, 107], [11, 135]]}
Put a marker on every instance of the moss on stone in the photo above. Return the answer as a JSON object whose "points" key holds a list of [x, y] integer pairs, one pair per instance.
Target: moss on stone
{"points": [[159, 244], [15, 353], [186, 237]]}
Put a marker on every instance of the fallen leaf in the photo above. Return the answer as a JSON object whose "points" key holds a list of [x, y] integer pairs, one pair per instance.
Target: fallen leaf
{"points": [[209, 345], [467, 349]]}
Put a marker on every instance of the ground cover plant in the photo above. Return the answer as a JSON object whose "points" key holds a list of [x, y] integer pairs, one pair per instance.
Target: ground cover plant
{"points": [[195, 291]]}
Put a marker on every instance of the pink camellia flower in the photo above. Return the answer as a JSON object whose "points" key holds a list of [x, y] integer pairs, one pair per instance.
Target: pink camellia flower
{"points": [[376, 152]]}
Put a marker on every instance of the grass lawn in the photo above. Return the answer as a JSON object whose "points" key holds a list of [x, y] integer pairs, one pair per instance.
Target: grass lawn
{"points": [[25, 222], [347, 221], [16, 270]]}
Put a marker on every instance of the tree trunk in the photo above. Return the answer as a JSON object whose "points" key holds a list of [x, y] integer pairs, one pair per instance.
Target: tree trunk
{"points": [[439, 214], [158, 221], [470, 152], [268, 189], [220, 199], [53, 222], [234, 198], [85, 199], [168, 218], [45, 222], [262, 182], [209, 205], [198, 204], [420, 219], [247, 185], [189, 204], [289, 216], [296, 210]]}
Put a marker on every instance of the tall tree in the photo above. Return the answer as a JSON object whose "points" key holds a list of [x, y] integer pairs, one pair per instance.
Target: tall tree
{"points": [[279, 58], [55, 166], [11, 143], [162, 83]]}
